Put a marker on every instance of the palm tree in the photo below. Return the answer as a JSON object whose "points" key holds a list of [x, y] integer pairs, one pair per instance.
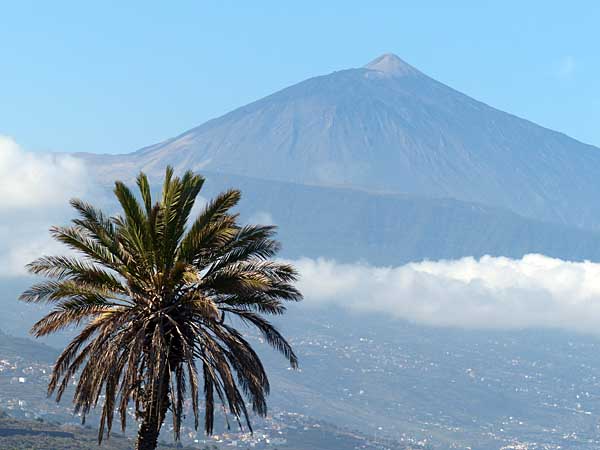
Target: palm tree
{"points": [[157, 304]]}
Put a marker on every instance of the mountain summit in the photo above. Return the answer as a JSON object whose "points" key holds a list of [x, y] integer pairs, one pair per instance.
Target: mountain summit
{"points": [[391, 65], [388, 128]]}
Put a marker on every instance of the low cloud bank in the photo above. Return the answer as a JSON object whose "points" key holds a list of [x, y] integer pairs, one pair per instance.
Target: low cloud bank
{"points": [[34, 193], [488, 293]]}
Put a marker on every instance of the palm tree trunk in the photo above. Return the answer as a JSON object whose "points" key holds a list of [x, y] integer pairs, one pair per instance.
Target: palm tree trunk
{"points": [[154, 416], [148, 435]]}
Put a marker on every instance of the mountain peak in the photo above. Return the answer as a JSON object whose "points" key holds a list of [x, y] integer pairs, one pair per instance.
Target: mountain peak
{"points": [[391, 65]]}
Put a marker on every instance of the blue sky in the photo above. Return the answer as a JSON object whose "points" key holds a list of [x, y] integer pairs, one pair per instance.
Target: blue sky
{"points": [[116, 76]]}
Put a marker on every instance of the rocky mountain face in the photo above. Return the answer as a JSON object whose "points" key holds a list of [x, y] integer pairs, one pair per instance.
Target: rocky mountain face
{"points": [[384, 164], [388, 128]]}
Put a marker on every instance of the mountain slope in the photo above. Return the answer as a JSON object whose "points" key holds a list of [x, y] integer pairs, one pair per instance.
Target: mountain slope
{"points": [[393, 229], [389, 128]]}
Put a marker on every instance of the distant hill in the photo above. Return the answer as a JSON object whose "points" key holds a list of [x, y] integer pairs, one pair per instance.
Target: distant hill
{"points": [[11, 346], [387, 127]]}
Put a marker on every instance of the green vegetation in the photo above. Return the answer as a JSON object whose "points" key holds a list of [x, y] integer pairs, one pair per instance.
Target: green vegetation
{"points": [[157, 299]]}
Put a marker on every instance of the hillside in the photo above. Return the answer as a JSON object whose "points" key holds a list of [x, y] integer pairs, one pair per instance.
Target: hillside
{"points": [[452, 388], [388, 384], [29, 420], [13, 347]]}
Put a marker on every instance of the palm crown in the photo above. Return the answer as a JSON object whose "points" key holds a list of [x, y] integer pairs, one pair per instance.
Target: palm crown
{"points": [[157, 302]]}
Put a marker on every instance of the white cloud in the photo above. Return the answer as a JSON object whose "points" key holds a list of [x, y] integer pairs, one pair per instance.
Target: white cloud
{"points": [[567, 67], [34, 194], [492, 292], [29, 180]]}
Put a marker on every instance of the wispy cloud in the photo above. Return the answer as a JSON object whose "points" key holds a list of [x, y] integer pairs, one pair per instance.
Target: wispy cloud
{"points": [[492, 292], [261, 218], [567, 67]]}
